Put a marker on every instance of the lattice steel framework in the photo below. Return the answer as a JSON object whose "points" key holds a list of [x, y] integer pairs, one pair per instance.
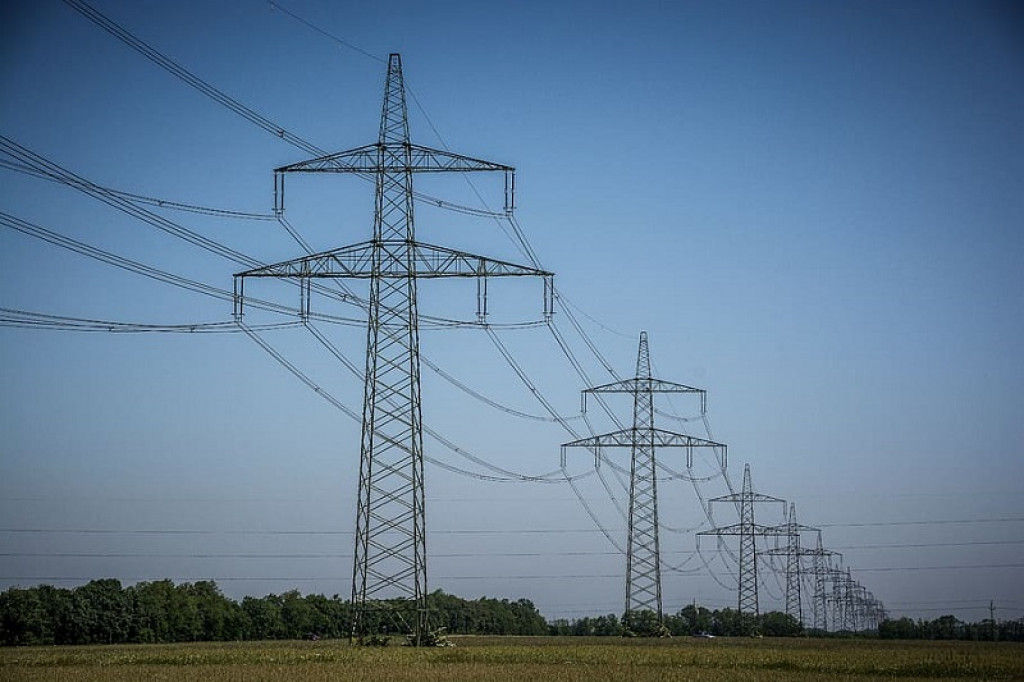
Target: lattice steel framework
{"points": [[843, 588], [643, 562], [821, 569], [794, 554], [390, 549], [848, 588], [747, 531]]}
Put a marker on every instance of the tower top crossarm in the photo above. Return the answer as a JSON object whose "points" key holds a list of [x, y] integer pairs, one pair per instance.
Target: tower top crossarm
{"points": [[425, 260], [394, 253], [393, 153], [365, 159], [643, 382], [641, 435], [748, 494], [792, 527], [744, 528]]}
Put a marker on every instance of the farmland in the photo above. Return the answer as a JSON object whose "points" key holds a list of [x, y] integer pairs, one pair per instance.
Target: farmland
{"points": [[526, 659]]}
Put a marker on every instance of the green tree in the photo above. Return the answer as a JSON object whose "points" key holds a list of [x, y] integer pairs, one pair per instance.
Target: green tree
{"points": [[22, 617], [152, 606], [213, 610], [264, 617], [297, 615], [904, 628], [106, 611], [643, 623], [778, 624], [696, 619]]}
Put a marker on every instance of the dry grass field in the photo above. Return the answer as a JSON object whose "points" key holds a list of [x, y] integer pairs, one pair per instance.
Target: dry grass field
{"points": [[525, 660]]}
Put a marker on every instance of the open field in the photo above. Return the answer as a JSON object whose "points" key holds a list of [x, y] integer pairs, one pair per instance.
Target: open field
{"points": [[526, 660]]}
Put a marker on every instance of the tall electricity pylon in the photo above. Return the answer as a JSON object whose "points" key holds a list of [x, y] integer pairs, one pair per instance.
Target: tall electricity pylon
{"points": [[794, 554], [390, 550], [643, 559], [747, 530]]}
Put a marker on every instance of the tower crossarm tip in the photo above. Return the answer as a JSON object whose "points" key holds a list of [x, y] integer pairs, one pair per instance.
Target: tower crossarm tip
{"points": [[439, 261]]}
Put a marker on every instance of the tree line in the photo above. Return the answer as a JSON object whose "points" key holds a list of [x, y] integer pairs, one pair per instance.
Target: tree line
{"points": [[689, 621], [950, 627], [105, 612]]}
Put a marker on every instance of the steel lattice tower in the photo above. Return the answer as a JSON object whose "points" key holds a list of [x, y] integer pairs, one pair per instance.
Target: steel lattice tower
{"points": [[793, 566], [747, 530], [390, 549], [822, 568], [794, 554], [643, 558], [842, 594]]}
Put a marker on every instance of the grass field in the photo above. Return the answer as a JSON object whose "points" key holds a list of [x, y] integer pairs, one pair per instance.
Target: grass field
{"points": [[526, 659]]}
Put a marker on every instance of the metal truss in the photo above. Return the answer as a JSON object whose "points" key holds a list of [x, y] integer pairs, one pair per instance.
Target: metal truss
{"points": [[747, 531], [821, 569], [390, 553], [793, 552], [392, 259], [643, 561]]}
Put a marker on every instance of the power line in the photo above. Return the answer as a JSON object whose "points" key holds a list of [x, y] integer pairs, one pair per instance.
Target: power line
{"points": [[58, 173], [933, 522], [189, 78], [953, 601], [919, 545], [236, 106], [136, 267], [140, 198], [581, 576], [222, 98], [207, 555], [83, 324], [463, 531], [544, 576], [45, 168], [11, 317], [200, 531], [326, 34], [504, 475], [889, 569], [55, 172]]}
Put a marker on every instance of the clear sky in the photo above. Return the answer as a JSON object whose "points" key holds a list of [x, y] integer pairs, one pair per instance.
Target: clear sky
{"points": [[815, 210]]}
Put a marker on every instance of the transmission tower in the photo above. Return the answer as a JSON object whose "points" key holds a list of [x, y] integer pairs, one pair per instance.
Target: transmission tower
{"points": [[390, 549], [821, 570], [643, 559], [843, 600], [747, 530], [794, 553]]}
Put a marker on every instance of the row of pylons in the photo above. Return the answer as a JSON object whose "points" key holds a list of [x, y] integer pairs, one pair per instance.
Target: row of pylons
{"points": [[390, 548]]}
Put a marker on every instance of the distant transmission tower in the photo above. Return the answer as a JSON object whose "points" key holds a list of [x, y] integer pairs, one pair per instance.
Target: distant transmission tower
{"points": [[794, 554], [821, 569], [643, 562], [843, 595], [747, 530], [390, 551]]}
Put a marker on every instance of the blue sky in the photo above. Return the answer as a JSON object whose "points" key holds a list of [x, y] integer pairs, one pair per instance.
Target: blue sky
{"points": [[814, 209]]}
